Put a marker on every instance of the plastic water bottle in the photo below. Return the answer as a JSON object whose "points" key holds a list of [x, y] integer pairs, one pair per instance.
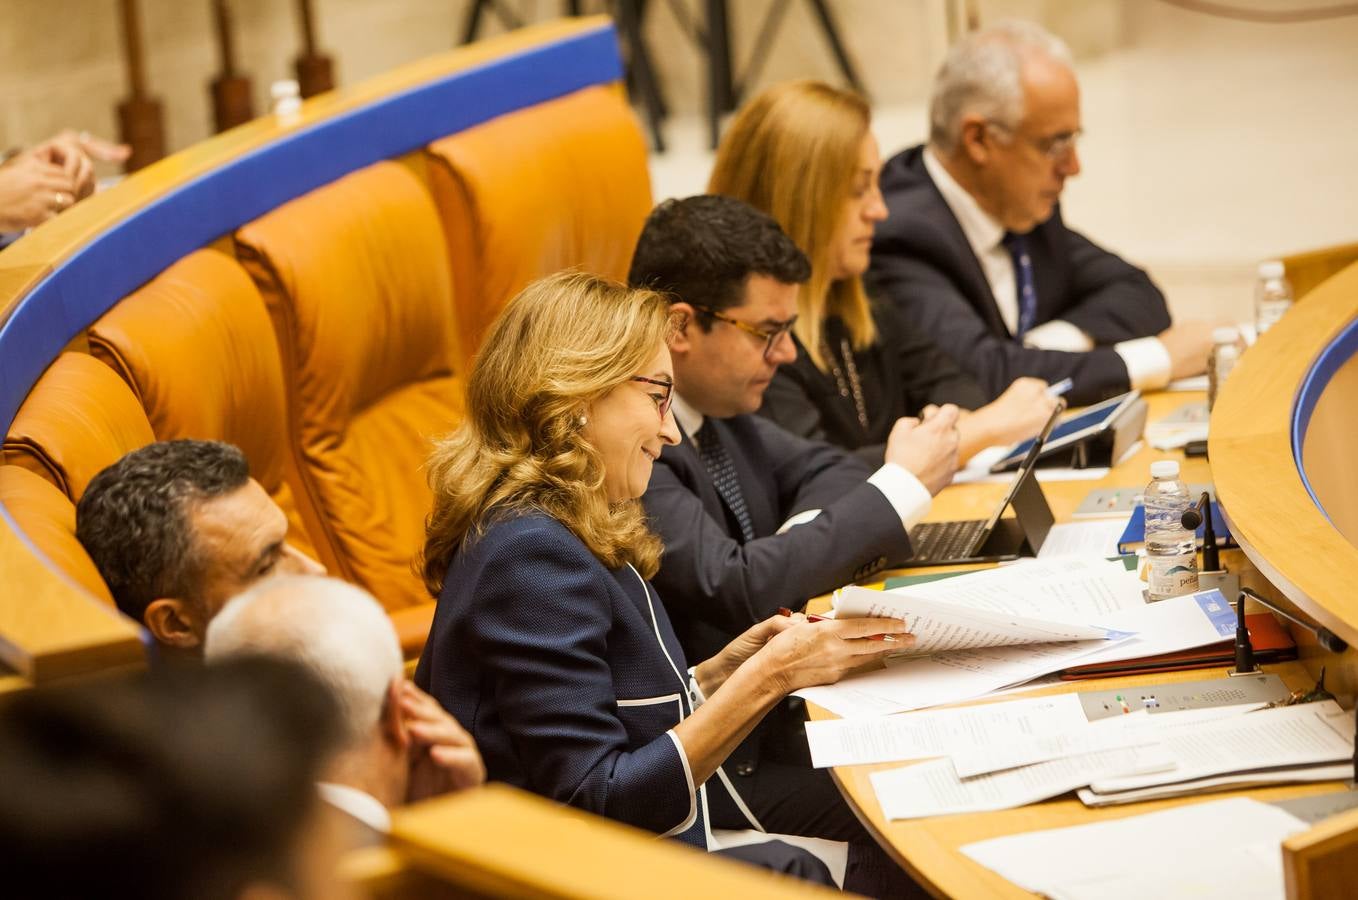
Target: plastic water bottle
{"points": [[1170, 548], [1273, 295], [1225, 353]]}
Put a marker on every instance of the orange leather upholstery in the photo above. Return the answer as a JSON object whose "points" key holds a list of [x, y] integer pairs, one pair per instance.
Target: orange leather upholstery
{"points": [[197, 348], [47, 517], [79, 418], [560, 185], [356, 279]]}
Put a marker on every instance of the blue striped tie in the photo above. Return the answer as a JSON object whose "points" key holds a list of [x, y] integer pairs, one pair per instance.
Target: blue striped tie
{"points": [[718, 464], [1017, 245]]}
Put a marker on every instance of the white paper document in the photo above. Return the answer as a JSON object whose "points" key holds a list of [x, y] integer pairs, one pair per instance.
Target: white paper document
{"points": [[1072, 589], [1227, 848], [1305, 734], [939, 732], [939, 625], [920, 682], [1180, 623], [1098, 537], [933, 789], [1289, 775], [1133, 730]]}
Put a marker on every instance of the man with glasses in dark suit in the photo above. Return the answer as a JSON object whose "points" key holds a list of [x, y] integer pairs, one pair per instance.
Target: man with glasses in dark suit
{"points": [[974, 250], [753, 517]]}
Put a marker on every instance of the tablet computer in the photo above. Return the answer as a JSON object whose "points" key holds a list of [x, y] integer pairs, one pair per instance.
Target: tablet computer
{"points": [[1081, 425]]}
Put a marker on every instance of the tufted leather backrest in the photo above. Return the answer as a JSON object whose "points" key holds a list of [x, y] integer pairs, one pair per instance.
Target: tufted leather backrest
{"points": [[197, 348], [559, 185], [356, 279], [79, 418], [46, 516]]}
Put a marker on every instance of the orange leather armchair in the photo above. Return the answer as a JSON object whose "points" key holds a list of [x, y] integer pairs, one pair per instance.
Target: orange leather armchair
{"points": [[560, 185], [47, 517], [355, 276], [197, 348], [79, 418]]}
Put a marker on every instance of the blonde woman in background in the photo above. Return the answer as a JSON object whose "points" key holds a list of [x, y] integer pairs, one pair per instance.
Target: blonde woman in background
{"points": [[803, 153]]}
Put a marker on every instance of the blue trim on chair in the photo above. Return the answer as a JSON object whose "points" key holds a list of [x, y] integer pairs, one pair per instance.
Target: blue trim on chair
{"points": [[1336, 353], [115, 263]]}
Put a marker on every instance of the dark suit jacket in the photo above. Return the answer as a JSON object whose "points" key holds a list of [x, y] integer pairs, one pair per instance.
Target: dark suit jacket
{"points": [[922, 262], [715, 585], [900, 375], [567, 674]]}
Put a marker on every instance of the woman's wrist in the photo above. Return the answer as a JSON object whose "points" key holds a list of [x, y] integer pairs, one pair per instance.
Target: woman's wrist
{"points": [[710, 675]]}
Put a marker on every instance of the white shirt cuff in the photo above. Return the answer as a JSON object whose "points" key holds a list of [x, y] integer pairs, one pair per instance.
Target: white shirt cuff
{"points": [[1147, 362], [1058, 334], [696, 697], [906, 494], [692, 790]]}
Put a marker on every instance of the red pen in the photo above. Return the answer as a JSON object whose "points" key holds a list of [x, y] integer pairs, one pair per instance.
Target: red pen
{"points": [[784, 611]]}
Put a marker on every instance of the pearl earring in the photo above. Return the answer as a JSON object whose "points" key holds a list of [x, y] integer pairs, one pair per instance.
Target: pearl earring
{"points": [[583, 421]]}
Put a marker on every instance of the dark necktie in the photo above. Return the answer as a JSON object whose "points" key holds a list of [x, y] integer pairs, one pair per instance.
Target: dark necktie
{"points": [[1017, 245], [718, 464]]}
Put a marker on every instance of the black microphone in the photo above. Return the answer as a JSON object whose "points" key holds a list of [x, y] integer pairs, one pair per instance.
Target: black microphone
{"points": [[1324, 636], [1244, 650], [1196, 515]]}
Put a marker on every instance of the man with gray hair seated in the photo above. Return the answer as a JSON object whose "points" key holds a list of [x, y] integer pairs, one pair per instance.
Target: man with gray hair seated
{"points": [[399, 744], [975, 252]]}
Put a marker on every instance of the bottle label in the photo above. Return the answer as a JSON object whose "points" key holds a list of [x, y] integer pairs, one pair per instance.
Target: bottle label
{"points": [[1172, 576]]}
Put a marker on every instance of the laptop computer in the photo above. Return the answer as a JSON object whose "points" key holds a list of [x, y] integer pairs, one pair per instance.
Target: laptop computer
{"points": [[995, 539]]}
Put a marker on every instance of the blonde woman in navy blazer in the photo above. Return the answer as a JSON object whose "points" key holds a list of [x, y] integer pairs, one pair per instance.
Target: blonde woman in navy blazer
{"points": [[549, 642]]}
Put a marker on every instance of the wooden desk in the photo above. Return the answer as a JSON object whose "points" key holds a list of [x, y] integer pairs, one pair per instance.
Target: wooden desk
{"points": [[929, 848]]}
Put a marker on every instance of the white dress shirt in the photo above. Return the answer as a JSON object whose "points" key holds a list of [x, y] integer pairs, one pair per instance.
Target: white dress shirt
{"points": [[1147, 360], [906, 494], [359, 804]]}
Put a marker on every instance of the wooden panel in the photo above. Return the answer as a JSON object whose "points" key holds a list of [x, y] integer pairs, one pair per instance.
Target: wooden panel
{"points": [[49, 627], [1271, 514], [1323, 862], [502, 842], [1307, 271]]}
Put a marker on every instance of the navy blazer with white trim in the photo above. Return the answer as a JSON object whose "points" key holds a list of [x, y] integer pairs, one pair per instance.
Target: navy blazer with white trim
{"points": [[567, 674]]}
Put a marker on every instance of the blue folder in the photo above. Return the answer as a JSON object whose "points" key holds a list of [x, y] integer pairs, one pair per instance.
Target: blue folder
{"points": [[1135, 533]]}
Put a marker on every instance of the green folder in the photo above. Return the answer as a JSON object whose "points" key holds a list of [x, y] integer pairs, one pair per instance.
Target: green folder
{"points": [[1128, 560]]}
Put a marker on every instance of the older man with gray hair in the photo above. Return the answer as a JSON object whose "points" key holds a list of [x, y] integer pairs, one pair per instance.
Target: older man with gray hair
{"points": [[400, 745], [975, 252]]}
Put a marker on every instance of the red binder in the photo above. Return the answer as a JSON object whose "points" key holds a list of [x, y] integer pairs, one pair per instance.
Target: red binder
{"points": [[1271, 644]]}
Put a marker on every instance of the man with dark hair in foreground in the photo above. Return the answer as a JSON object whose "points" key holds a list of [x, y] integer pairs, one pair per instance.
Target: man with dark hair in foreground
{"points": [[176, 528], [198, 786]]}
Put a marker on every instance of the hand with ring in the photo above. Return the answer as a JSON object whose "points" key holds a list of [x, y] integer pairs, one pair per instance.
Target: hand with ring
{"points": [[32, 190]]}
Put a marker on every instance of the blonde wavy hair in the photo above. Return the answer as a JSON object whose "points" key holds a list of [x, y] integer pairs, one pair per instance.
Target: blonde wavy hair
{"points": [[792, 152], [562, 343]]}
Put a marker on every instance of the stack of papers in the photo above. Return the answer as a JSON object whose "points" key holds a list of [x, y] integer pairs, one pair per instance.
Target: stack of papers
{"points": [[1228, 848], [1187, 423], [1307, 742], [1184, 751], [1064, 597]]}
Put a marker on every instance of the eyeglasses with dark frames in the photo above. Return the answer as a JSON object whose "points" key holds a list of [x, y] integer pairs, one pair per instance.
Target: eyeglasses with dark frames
{"points": [[769, 337], [662, 403]]}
